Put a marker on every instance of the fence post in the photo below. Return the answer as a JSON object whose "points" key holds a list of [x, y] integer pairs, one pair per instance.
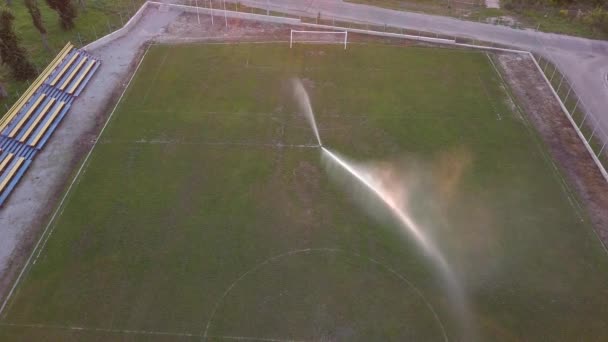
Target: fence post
{"points": [[211, 8], [95, 32], [225, 15], [582, 122], [598, 154], [569, 90], [109, 27], [122, 23], [560, 84], [592, 133], [197, 13], [545, 68], [554, 71], [576, 105], [79, 39]]}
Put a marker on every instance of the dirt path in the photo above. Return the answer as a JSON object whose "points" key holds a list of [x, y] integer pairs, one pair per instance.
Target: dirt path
{"points": [[558, 134]]}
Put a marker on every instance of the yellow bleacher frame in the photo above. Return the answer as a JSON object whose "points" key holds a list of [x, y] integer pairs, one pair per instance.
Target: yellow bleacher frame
{"points": [[84, 73], [10, 175], [73, 73], [35, 123], [65, 68], [47, 124], [35, 85], [27, 115], [6, 161]]}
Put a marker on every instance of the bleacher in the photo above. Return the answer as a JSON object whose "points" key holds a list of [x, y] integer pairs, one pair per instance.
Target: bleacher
{"points": [[31, 121]]}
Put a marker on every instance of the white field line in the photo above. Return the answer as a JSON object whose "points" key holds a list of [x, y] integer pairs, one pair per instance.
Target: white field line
{"points": [[248, 338], [103, 330], [485, 90], [209, 143], [156, 73], [142, 332], [42, 239], [331, 250]]}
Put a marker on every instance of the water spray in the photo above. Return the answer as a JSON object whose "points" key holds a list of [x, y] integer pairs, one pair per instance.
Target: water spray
{"points": [[374, 186], [302, 97]]}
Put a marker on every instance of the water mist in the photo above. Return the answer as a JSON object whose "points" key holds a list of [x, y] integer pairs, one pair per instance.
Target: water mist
{"points": [[394, 201]]}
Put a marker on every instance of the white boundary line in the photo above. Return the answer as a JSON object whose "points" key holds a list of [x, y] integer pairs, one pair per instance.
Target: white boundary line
{"points": [[141, 332], [42, 239]]}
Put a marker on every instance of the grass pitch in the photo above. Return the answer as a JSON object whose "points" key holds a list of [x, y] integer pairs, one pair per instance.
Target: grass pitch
{"points": [[204, 212]]}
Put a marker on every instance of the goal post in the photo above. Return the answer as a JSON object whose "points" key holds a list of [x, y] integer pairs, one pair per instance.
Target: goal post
{"points": [[318, 37]]}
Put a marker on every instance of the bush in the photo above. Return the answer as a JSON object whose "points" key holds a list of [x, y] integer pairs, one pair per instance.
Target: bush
{"points": [[598, 18]]}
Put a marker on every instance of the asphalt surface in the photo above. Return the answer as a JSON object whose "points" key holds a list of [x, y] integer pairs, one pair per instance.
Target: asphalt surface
{"points": [[583, 61]]}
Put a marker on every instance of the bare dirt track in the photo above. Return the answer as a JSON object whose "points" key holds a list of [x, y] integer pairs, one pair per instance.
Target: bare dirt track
{"points": [[560, 137]]}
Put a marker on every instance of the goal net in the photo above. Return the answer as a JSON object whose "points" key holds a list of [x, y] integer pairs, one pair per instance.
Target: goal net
{"points": [[318, 37]]}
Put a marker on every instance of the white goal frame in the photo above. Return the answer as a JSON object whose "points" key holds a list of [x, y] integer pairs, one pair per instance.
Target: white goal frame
{"points": [[345, 33]]}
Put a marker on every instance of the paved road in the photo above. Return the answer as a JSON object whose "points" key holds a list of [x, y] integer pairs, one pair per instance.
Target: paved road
{"points": [[583, 61]]}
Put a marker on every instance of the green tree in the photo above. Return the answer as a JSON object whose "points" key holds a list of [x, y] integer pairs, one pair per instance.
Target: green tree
{"points": [[11, 52], [32, 7], [66, 10]]}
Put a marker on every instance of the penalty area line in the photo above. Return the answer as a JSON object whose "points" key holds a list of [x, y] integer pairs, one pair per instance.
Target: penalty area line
{"points": [[50, 226]]}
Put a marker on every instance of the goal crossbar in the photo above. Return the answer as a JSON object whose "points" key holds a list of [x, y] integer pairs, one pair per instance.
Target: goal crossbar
{"points": [[345, 33]]}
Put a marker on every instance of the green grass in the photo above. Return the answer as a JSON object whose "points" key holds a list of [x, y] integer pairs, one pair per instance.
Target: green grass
{"points": [[92, 22], [189, 214], [551, 21]]}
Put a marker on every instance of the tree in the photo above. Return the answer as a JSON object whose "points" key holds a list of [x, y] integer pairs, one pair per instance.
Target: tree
{"points": [[11, 52], [66, 10], [32, 7]]}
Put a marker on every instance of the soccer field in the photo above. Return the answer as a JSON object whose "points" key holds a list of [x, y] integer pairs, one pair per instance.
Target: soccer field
{"points": [[206, 210]]}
